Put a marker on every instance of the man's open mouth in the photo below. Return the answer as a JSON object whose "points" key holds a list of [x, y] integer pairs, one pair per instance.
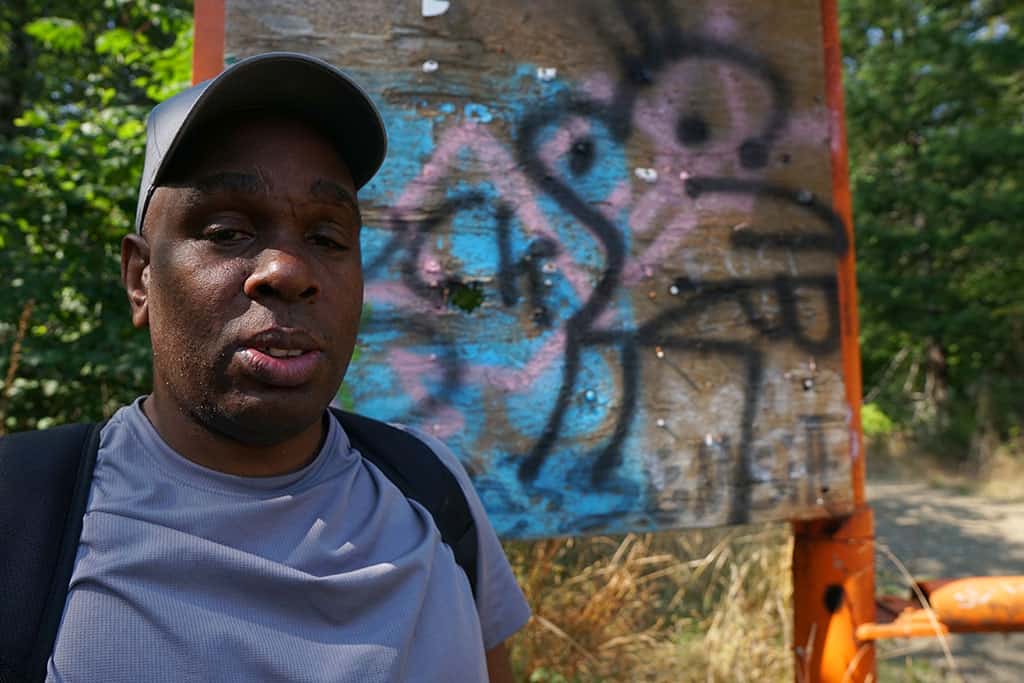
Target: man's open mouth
{"points": [[281, 353]]}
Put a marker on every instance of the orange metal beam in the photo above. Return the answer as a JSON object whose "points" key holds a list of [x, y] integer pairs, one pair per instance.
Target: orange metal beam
{"points": [[833, 560], [842, 204], [208, 47], [916, 626]]}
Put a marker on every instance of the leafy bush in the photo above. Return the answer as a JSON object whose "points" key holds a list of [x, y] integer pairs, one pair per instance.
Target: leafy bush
{"points": [[78, 83], [934, 92], [875, 422]]}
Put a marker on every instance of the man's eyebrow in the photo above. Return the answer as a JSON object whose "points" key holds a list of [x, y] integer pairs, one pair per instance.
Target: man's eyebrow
{"points": [[227, 181], [330, 191]]}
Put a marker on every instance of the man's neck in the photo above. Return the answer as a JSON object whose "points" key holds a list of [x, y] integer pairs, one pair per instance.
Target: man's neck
{"points": [[197, 443]]}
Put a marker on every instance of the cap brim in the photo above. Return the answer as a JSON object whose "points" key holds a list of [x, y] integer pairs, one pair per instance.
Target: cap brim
{"points": [[292, 83]]}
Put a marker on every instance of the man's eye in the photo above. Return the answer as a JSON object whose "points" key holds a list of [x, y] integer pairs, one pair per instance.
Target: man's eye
{"points": [[225, 235], [327, 241]]}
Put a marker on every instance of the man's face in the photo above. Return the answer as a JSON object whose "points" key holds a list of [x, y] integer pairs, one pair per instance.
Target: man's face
{"points": [[254, 286]]}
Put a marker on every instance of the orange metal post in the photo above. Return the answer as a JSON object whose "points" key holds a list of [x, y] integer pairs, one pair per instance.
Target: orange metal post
{"points": [[842, 204], [833, 593], [208, 48], [833, 560]]}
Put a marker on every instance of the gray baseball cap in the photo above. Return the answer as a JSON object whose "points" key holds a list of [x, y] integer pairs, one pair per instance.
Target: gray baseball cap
{"points": [[286, 82]]}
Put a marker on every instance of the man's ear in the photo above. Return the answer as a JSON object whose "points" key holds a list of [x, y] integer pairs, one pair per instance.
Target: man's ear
{"points": [[135, 277]]}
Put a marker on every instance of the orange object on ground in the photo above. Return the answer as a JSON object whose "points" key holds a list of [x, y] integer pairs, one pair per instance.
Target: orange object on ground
{"points": [[980, 604]]}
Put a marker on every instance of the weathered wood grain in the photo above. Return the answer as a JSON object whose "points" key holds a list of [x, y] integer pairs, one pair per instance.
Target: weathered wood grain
{"points": [[636, 195]]}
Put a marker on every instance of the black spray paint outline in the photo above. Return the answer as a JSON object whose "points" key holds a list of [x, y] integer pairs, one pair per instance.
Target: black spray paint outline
{"points": [[659, 49]]}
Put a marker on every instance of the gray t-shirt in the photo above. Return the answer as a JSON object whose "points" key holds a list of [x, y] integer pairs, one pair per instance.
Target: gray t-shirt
{"points": [[328, 573]]}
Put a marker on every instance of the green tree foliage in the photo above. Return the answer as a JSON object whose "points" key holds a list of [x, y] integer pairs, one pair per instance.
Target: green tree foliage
{"points": [[935, 116], [76, 81]]}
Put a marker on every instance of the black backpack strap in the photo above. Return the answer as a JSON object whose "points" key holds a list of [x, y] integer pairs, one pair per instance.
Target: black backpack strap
{"points": [[415, 469], [44, 486]]}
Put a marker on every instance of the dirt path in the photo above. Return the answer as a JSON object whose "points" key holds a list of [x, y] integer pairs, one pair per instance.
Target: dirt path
{"points": [[938, 533]]}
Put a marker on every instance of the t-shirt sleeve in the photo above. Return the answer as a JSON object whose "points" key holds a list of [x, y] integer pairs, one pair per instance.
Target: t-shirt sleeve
{"points": [[500, 602]]}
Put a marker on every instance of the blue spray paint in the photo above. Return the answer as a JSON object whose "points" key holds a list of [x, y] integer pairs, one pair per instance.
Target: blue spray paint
{"points": [[561, 498]]}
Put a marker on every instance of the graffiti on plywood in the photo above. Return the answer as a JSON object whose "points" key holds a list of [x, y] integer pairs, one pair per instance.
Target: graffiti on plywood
{"points": [[603, 268]]}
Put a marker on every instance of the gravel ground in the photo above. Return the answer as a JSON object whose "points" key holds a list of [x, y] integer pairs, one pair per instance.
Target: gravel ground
{"points": [[938, 533]]}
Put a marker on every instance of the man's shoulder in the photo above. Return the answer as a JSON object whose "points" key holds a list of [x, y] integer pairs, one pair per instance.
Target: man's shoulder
{"points": [[424, 472], [399, 445]]}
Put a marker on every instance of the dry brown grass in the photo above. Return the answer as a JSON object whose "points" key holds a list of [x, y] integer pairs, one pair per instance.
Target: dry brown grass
{"points": [[707, 605], [997, 474], [1002, 476], [685, 606]]}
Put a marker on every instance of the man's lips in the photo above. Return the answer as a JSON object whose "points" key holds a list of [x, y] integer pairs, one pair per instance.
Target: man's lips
{"points": [[290, 371], [280, 356], [287, 338]]}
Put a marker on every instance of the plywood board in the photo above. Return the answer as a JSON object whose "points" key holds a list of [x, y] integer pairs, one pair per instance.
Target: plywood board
{"points": [[601, 257]]}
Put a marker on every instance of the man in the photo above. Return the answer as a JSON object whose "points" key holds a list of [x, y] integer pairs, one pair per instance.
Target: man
{"points": [[231, 531]]}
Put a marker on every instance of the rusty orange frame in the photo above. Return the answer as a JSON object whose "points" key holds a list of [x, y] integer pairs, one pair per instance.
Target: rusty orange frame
{"points": [[835, 623], [833, 559]]}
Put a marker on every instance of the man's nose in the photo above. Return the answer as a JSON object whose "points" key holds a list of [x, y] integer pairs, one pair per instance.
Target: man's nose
{"points": [[283, 273]]}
